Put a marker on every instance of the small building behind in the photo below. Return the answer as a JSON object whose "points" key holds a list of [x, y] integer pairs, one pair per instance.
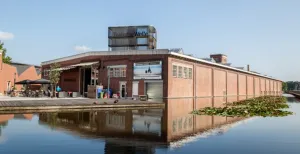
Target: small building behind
{"points": [[14, 72]]}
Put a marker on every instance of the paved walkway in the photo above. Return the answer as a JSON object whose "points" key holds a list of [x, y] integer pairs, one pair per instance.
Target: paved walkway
{"points": [[8, 98], [70, 103]]}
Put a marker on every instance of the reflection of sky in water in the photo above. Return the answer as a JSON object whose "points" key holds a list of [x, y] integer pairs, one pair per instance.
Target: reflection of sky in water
{"points": [[258, 136]]}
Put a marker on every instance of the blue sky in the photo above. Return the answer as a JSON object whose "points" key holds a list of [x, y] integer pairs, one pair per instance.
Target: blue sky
{"points": [[262, 33]]}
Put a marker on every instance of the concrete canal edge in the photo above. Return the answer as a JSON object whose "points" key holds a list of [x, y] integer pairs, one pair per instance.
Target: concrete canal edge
{"points": [[106, 106], [47, 110]]}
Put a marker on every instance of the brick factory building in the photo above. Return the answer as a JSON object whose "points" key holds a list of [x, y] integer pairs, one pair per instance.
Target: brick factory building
{"points": [[162, 73], [14, 72]]}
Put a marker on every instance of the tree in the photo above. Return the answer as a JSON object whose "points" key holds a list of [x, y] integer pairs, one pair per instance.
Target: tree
{"points": [[284, 86], [5, 59], [291, 85], [54, 76]]}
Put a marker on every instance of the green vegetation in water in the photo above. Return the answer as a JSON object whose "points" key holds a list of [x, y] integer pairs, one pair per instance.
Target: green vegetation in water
{"points": [[267, 106]]}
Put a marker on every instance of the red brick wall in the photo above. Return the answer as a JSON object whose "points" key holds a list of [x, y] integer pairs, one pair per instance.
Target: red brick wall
{"points": [[272, 87], [203, 81], [250, 85], [219, 82], [29, 74], [267, 86], [69, 80], [256, 87], [276, 87], [7, 74], [208, 80], [232, 84], [263, 85], [141, 88], [280, 87], [179, 86], [242, 84], [120, 60], [128, 61]]}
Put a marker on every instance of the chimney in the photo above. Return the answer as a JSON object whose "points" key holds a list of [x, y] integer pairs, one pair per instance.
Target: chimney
{"points": [[248, 67], [219, 58]]}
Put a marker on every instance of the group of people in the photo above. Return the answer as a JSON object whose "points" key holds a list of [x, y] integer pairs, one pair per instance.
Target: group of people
{"points": [[11, 91]]}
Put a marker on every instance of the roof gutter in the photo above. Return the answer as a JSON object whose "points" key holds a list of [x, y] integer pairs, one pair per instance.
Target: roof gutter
{"points": [[219, 65]]}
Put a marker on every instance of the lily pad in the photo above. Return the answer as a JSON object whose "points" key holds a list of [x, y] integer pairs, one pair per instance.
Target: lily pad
{"points": [[266, 106]]}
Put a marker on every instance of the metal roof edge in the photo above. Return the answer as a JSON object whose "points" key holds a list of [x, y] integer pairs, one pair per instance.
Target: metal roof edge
{"points": [[220, 65], [108, 53]]}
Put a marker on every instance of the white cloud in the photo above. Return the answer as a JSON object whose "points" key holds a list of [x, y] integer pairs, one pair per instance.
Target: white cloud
{"points": [[81, 48], [6, 35]]}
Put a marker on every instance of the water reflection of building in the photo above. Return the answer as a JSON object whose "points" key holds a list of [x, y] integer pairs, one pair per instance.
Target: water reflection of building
{"points": [[147, 121], [155, 126], [116, 147], [4, 118], [99, 123]]}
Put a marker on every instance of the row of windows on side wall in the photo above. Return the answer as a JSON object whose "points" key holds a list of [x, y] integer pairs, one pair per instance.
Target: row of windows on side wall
{"points": [[182, 72]]}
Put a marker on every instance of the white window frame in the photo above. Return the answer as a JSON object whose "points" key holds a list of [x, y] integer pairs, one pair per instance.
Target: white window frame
{"points": [[179, 71], [117, 71], [190, 73], [175, 72], [185, 72]]}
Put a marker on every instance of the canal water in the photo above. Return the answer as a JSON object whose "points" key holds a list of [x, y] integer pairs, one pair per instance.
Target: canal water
{"points": [[148, 131]]}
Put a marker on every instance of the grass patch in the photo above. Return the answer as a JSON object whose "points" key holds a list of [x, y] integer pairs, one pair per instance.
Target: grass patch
{"points": [[266, 106]]}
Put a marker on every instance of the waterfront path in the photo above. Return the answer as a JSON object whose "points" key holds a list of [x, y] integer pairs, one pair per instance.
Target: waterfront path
{"points": [[75, 103]]}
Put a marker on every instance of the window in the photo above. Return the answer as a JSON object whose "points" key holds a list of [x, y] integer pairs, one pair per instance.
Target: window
{"points": [[142, 40], [123, 72], [190, 73], [46, 72], [111, 72], [142, 30], [174, 71], [142, 47], [117, 72], [185, 73], [180, 72]]}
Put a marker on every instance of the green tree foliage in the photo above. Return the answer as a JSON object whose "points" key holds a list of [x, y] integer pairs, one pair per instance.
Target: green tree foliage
{"points": [[284, 86], [5, 59], [54, 75], [291, 85]]}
